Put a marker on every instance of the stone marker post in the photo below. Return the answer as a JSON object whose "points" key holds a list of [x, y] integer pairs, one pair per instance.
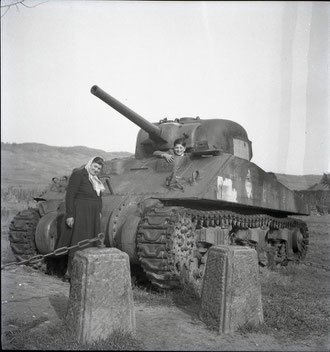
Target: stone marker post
{"points": [[231, 292], [101, 298]]}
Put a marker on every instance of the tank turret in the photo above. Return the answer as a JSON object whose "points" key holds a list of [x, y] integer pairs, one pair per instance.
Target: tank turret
{"points": [[203, 137]]}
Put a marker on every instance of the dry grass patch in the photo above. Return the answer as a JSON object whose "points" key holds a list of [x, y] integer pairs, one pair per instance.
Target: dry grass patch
{"points": [[58, 337], [295, 300]]}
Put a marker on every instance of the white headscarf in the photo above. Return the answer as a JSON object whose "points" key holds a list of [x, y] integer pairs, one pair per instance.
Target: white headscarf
{"points": [[95, 181]]}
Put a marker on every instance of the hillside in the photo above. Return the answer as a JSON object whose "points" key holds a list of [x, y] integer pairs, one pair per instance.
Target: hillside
{"points": [[33, 164]]}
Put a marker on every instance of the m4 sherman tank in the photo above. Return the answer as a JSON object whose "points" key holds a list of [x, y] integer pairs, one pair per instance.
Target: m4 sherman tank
{"points": [[166, 216]]}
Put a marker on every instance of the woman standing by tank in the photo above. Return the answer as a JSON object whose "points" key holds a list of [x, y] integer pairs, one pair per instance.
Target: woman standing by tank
{"points": [[83, 203]]}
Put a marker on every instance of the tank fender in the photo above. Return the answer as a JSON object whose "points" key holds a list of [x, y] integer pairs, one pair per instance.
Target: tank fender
{"points": [[148, 204], [47, 232], [48, 206]]}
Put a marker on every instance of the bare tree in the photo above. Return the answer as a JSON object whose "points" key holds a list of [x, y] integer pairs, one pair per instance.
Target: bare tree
{"points": [[6, 5]]}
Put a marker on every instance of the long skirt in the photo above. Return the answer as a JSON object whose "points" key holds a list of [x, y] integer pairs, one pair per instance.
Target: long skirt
{"points": [[87, 224]]}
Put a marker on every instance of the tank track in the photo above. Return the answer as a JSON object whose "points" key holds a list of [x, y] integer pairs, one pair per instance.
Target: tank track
{"points": [[22, 234], [168, 247], [22, 242]]}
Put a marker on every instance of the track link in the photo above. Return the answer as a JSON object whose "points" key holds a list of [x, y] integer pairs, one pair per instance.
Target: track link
{"points": [[22, 234], [171, 253]]}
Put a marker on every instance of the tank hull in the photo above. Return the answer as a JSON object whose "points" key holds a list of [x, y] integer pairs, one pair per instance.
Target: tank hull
{"points": [[222, 181]]}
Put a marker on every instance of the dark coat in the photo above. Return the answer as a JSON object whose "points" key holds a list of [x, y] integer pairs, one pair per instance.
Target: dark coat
{"points": [[85, 206], [79, 187]]}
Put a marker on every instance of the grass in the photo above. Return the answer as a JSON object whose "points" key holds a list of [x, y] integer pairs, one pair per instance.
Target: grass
{"points": [[58, 337], [295, 300]]}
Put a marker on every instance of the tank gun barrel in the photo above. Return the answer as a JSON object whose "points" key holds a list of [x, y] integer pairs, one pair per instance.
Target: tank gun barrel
{"points": [[147, 126]]}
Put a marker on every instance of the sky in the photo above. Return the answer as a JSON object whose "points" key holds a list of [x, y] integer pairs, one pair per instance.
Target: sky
{"points": [[263, 65]]}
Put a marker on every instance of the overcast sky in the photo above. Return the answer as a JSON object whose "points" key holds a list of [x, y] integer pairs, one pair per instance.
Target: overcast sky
{"points": [[261, 64]]}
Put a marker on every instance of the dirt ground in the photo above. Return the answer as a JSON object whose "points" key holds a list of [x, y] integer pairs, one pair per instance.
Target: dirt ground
{"points": [[40, 301]]}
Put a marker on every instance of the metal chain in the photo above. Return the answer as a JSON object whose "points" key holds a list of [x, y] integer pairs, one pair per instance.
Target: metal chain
{"points": [[59, 251], [100, 237]]}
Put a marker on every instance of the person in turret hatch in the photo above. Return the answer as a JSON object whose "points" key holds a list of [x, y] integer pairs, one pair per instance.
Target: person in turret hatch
{"points": [[175, 157], [179, 148]]}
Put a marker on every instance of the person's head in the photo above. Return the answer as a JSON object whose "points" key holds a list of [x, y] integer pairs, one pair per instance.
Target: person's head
{"points": [[96, 165], [179, 146]]}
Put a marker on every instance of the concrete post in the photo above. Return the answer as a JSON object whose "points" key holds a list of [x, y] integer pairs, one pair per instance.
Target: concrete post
{"points": [[101, 298], [231, 292]]}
